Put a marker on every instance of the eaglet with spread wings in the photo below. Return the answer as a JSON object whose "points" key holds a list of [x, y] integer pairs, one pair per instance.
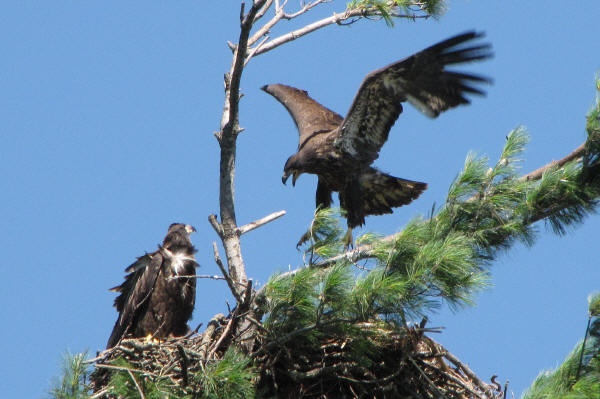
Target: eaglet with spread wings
{"points": [[340, 150]]}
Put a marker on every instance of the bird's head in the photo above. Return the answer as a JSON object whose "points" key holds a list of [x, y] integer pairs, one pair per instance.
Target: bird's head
{"points": [[178, 235], [180, 226], [291, 169]]}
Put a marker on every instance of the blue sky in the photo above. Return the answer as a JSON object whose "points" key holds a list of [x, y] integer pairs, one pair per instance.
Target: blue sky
{"points": [[108, 110]]}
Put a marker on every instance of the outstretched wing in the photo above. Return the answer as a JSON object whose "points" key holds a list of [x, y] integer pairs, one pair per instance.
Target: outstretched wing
{"points": [[422, 80], [310, 117], [135, 291]]}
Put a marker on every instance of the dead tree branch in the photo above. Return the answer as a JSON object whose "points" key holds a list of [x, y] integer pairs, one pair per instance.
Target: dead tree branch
{"points": [[337, 18], [226, 276], [224, 335], [262, 31], [212, 219], [200, 276], [465, 369], [263, 10], [260, 222]]}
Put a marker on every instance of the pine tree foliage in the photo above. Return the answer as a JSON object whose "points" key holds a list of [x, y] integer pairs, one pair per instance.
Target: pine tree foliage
{"points": [[231, 377], [129, 382], [594, 305], [579, 375], [388, 9], [75, 376], [325, 235], [590, 160]]}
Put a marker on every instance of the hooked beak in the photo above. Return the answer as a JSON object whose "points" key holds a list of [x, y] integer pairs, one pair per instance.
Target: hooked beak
{"points": [[190, 229], [286, 175]]}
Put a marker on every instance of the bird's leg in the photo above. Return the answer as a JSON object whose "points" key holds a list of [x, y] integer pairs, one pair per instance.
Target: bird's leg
{"points": [[348, 239]]}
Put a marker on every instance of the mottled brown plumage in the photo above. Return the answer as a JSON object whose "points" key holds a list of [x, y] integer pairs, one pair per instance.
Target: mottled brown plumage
{"points": [[156, 298], [341, 150]]}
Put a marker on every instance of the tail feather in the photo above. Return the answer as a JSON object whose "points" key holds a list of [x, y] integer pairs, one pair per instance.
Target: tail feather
{"points": [[382, 192]]}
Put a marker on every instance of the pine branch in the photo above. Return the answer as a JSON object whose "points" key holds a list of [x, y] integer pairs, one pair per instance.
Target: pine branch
{"points": [[368, 251], [74, 379], [576, 154], [260, 222], [579, 375]]}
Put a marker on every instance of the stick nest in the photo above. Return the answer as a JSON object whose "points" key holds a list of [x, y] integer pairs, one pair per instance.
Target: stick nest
{"points": [[405, 364]]}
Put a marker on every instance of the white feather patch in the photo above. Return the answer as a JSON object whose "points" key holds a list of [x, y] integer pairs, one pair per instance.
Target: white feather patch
{"points": [[178, 260]]}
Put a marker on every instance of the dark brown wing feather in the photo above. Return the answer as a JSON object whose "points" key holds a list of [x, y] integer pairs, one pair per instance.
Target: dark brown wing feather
{"points": [[135, 292], [420, 79], [310, 117]]}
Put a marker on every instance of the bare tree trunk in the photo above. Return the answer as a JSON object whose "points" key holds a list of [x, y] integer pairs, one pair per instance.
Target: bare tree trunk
{"points": [[228, 230], [227, 136]]}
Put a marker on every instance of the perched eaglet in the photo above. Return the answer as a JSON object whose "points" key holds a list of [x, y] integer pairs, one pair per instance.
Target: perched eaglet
{"points": [[157, 298], [340, 150]]}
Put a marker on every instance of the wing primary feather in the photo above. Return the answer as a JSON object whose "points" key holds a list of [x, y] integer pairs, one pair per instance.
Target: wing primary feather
{"points": [[467, 76], [454, 40], [422, 80]]}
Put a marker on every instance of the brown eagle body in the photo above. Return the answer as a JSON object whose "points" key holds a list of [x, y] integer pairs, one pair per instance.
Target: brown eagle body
{"points": [[340, 150], [156, 299]]}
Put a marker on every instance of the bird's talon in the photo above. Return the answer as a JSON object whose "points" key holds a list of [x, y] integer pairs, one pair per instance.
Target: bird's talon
{"points": [[348, 239]]}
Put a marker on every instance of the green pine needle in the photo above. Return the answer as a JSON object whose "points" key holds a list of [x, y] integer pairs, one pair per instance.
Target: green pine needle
{"points": [[578, 377], [231, 377], [594, 305], [390, 9], [75, 374]]}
